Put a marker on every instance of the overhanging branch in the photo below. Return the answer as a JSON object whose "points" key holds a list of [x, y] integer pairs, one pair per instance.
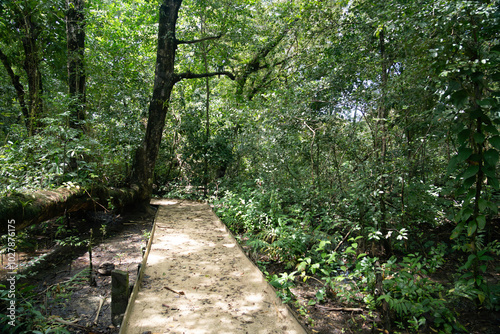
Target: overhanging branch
{"points": [[256, 63], [190, 75], [199, 40]]}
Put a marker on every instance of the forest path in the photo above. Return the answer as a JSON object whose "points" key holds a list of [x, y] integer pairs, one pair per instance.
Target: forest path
{"points": [[198, 280]]}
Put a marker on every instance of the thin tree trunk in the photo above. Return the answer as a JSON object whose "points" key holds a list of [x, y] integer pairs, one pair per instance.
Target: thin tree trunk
{"points": [[204, 49], [207, 133], [16, 83], [75, 32], [478, 148], [381, 147]]}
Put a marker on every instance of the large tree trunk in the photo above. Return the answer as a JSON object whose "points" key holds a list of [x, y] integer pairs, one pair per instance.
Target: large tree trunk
{"points": [[22, 210], [165, 80], [75, 32], [32, 68]]}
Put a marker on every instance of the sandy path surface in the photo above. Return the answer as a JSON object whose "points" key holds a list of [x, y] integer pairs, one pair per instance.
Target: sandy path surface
{"points": [[197, 280]]}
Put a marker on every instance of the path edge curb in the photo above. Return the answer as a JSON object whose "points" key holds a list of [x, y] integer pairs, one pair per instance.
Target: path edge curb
{"points": [[137, 284], [287, 307]]}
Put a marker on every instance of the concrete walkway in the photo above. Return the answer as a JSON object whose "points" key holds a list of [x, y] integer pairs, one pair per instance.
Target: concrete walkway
{"points": [[198, 280]]}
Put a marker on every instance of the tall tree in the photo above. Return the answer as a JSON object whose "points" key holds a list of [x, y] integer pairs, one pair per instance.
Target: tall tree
{"points": [[21, 20], [75, 32], [165, 80], [30, 33]]}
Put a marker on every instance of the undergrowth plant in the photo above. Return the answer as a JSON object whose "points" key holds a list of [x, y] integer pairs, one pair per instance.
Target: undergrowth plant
{"points": [[354, 278], [313, 243], [29, 315]]}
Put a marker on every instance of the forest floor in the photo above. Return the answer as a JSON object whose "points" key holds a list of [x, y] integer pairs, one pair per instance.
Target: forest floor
{"points": [[66, 298], [62, 290]]}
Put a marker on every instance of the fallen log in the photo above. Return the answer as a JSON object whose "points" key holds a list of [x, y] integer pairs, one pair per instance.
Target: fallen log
{"points": [[20, 210]]}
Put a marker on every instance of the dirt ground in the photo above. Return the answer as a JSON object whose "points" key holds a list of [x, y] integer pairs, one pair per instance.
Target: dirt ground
{"points": [[63, 290], [198, 280]]}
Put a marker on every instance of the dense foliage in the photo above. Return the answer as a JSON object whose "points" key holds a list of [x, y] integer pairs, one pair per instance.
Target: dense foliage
{"points": [[358, 144]]}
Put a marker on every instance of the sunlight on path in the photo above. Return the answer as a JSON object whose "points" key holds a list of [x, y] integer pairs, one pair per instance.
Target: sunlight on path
{"points": [[197, 280]]}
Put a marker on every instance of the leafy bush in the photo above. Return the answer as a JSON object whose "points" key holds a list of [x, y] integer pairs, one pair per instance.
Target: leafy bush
{"points": [[413, 297], [29, 319]]}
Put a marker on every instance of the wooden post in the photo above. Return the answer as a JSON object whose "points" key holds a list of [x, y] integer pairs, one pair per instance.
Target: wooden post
{"points": [[119, 295]]}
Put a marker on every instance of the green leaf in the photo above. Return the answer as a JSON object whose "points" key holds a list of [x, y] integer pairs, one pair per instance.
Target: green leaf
{"points": [[468, 183], [322, 244], [476, 113], [457, 230], [491, 129], [491, 157], [495, 76], [471, 228], [460, 98], [320, 295], [495, 141], [481, 221], [470, 171], [465, 213], [493, 181], [486, 102], [493, 207], [490, 172], [476, 158], [479, 137], [477, 77], [483, 204], [470, 195], [481, 296], [463, 136], [452, 164], [471, 258], [464, 153], [301, 267], [486, 257], [454, 86]]}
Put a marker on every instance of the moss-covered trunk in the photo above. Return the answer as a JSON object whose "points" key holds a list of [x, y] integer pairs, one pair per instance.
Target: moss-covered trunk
{"points": [[25, 209]]}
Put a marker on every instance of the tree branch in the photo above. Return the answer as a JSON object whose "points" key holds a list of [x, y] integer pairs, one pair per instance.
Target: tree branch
{"points": [[255, 64], [339, 309], [16, 83], [198, 40], [190, 75]]}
